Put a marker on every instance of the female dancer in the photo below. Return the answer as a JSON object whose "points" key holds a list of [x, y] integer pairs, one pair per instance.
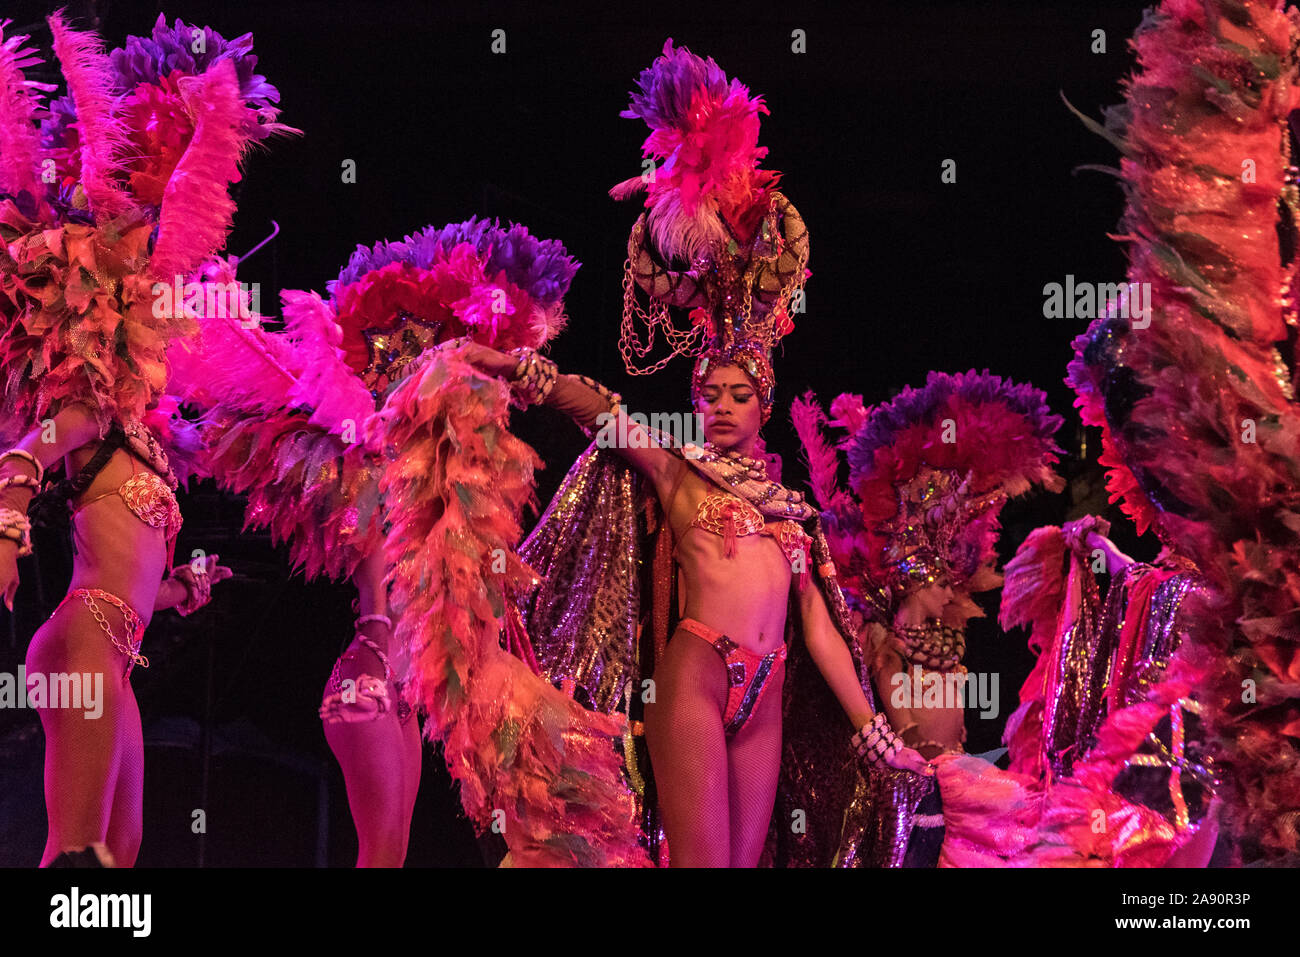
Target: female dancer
{"points": [[304, 442], [930, 472], [125, 523], [84, 364], [713, 720], [713, 725]]}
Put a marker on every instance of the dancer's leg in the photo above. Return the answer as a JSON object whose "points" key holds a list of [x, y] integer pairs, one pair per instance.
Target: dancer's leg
{"points": [[125, 825], [82, 753], [376, 758], [688, 752], [412, 756], [753, 767]]}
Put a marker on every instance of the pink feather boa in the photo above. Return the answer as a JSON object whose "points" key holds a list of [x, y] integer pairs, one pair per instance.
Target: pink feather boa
{"points": [[530, 761]]}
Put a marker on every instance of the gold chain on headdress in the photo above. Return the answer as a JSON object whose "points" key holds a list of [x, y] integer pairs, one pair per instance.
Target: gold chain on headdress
{"points": [[680, 342], [690, 341]]}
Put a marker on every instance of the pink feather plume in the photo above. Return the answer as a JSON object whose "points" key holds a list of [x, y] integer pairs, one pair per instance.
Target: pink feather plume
{"points": [[823, 461], [104, 144], [196, 208], [20, 144], [326, 383]]}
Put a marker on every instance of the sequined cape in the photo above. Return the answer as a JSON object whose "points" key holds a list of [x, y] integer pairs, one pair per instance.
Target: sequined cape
{"points": [[1086, 660], [604, 608], [1161, 603], [1121, 733]]}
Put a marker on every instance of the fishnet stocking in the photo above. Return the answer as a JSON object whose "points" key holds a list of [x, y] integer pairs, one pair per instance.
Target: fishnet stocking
{"points": [[716, 795]]}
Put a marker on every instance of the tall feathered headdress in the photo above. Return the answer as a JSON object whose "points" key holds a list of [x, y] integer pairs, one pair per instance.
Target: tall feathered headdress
{"points": [[502, 287], [717, 238], [125, 185], [929, 474]]}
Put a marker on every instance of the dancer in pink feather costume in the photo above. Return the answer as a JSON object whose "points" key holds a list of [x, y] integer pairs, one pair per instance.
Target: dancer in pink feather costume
{"points": [[148, 138]]}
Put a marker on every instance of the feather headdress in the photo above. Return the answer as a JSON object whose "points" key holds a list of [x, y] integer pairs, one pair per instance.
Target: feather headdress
{"points": [[715, 228], [139, 144], [929, 473]]}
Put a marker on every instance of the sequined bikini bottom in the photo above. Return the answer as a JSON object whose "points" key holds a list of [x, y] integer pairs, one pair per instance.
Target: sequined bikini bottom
{"points": [[747, 673]]}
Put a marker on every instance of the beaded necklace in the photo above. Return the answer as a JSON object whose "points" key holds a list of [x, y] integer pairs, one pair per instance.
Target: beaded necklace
{"points": [[746, 477]]}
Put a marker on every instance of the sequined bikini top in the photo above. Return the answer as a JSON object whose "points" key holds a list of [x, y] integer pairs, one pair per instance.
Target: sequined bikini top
{"points": [[150, 499], [730, 517]]}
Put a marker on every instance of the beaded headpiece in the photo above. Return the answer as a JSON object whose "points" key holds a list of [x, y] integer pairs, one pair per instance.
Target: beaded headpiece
{"points": [[716, 238]]}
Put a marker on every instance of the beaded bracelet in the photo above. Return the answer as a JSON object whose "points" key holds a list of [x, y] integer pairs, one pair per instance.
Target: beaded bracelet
{"points": [[21, 481], [610, 396], [875, 742], [24, 454], [15, 527], [534, 376]]}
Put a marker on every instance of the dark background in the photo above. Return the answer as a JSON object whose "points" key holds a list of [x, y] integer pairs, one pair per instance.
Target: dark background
{"points": [[909, 274]]}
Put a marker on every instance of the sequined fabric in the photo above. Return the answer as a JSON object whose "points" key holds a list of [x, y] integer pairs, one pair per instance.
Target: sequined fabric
{"points": [[1167, 623], [1076, 682], [1171, 772], [1087, 668], [828, 812], [586, 548]]}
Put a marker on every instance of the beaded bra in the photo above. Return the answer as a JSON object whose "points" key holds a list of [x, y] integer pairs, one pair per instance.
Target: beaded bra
{"points": [[727, 515]]}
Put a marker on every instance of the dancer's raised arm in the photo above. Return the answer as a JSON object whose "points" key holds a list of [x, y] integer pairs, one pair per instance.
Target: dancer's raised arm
{"points": [[588, 403]]}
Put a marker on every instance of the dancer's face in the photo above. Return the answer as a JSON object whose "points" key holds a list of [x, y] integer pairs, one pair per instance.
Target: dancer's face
{"points": [[730, 408], [930, 601]]}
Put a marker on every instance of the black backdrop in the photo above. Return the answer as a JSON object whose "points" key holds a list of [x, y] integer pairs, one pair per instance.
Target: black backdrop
{"points": [[909, 274]]}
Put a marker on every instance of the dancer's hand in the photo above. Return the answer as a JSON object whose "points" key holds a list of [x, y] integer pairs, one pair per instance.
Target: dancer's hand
{"points": [[1115, 559], [1077, 533], [486, 359], [909, 759], [8, 571], [197, 578]]}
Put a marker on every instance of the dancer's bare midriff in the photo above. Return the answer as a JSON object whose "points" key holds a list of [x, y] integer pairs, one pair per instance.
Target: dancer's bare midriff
{"points": [[116, 551], [745, 596]]}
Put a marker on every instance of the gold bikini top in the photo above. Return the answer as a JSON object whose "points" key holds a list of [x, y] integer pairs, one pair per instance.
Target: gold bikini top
{"points": [[731, 517], [150, 499]]}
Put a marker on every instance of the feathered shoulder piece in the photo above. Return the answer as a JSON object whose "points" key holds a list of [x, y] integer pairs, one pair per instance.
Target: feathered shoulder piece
{"points": [[146, 141], [929, 473]]}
